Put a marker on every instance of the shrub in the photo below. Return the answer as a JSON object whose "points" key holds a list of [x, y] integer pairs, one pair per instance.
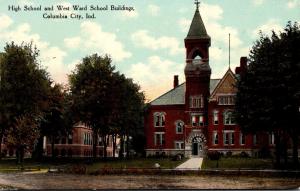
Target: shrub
{"points": [[229, 154], [264, 152], [243, 154], [214, 155]]}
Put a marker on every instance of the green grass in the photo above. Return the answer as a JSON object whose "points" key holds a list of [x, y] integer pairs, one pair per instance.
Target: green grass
{"points": [[9, 165], [238, 163], [135, 163]]}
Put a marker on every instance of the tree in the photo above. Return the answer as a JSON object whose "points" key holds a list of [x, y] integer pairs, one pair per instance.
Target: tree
{"points": [[24, 89], [90, 85], [105, 100], [23, 134], [268, 92], [57, 120]]}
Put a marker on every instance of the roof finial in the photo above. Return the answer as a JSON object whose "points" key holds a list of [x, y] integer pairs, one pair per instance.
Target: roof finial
{"points": [[229, 51], [197, 3]]}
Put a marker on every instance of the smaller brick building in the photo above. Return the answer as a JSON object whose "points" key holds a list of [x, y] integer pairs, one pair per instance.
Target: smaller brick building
{"points": [[78, 144]]}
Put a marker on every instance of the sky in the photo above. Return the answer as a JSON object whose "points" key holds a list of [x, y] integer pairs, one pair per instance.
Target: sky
{"points": [[146, 44]]}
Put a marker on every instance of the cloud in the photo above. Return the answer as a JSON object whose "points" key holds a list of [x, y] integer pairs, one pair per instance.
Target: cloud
{"points": [[6, 21], [93, 39], [293, 4], [258, 2], [153, 9], [142, 38], [51, 57], [267, 28], [158, 71], [72, 42], [129, 15], [184, 24]]}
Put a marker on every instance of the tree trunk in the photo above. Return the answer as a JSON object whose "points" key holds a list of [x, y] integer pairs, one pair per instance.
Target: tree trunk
{"points": [[277, 149], [52, 147], [95, 141], [295, 139], [1, 137], [114, 139], [127, 146], [105, 146], [38, 151], [121, 147]]}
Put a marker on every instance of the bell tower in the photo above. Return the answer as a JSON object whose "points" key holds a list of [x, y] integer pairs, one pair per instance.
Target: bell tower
{"points": [[197, 72]]}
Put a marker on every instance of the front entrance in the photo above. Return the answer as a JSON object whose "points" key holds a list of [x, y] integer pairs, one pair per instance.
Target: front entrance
{"points": [[197, 146], [195, 149]]}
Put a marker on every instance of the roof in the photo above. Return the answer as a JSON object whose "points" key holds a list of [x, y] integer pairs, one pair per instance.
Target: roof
{"points": [[176, 96], [197, 28]]}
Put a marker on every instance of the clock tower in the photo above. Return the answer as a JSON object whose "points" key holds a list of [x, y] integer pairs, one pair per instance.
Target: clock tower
{"points": [[197, 73]]}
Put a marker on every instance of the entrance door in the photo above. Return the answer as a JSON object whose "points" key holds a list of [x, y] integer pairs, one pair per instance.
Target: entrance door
{"points": [[195, 148]]}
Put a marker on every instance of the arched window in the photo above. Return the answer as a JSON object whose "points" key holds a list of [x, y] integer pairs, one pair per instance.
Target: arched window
{"points": [[159, 119], [229, 118], [215, 117], [179, 126]]}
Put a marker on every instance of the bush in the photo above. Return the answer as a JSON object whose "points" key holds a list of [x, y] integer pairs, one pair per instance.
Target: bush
{"points": [[177, 157], [264, 152], [229, 154], [214, 155], [243, 154]]}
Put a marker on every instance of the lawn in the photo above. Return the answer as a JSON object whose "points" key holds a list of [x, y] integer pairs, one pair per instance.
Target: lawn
{"points": [[166, 163], [238, 163], [9, 165]]}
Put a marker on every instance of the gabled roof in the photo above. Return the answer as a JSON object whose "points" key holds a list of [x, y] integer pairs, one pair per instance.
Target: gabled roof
{"points": [[177, 96], [172, 97], [197, 28], [222, 81]]}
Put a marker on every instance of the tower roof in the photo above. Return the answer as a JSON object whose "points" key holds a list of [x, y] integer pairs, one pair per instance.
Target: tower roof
{"points": [[197, 28]]}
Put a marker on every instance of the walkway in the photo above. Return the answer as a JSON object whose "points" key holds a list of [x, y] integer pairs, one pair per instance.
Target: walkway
{"points": [[191, 164]]}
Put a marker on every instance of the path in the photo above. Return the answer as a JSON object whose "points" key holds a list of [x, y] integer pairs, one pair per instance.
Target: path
{"points": [[191, 164]]}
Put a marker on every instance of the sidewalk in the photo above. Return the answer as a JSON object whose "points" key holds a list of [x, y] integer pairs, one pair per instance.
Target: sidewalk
{"points": [[191, 164]]}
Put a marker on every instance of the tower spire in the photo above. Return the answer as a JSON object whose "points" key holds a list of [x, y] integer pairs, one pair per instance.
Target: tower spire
{"points": [[197, 4], [229, 51]]}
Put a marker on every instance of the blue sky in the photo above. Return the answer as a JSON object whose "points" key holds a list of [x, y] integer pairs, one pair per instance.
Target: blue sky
{"points": [[146, 44]]}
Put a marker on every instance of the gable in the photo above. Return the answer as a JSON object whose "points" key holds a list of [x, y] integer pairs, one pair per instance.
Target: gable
{"points": [[225, 86]]}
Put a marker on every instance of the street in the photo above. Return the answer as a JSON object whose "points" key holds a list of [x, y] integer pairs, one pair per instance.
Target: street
{"points": [[71, 181]]}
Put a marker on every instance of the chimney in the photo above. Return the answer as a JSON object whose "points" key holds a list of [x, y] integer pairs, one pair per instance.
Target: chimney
{"points": [[243, 66], [176, 81]]}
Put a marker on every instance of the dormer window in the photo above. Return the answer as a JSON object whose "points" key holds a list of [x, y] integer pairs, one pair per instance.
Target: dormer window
{"points": [[159, 119], [226, 100]]}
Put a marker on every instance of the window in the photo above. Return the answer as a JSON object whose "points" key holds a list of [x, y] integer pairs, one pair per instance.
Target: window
{"points": [[215, 138], [228, 137], [226, 100], [216, 117], [179, 145], [179, 127], [254, 139], [197, 120], [271, 138], [229, 118], [159, 138], [242, 139], [196, 102], [159, 120]]}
